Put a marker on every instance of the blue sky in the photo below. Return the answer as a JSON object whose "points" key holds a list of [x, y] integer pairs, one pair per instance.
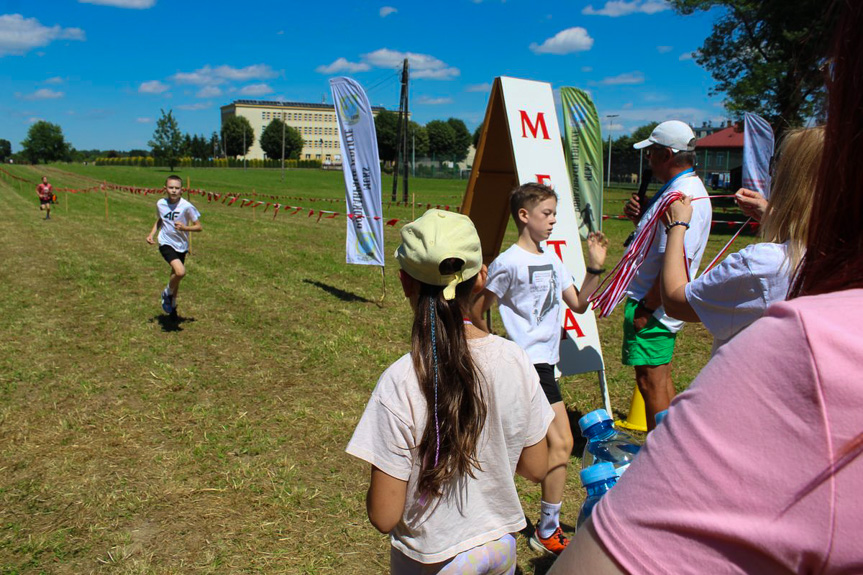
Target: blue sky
{"points": [[103, 69]]}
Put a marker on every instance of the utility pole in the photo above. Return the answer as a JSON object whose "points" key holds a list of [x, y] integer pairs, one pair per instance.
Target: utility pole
{"points": [[609, 116], [402, 138]]}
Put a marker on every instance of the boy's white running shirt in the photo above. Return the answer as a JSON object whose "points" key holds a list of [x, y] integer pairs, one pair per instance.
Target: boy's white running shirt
{"points": [[529, 288], [472, 511], [183, 211]]}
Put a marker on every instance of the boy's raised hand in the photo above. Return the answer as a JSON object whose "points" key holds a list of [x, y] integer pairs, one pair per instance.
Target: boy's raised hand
{"points": [[597, 248]]}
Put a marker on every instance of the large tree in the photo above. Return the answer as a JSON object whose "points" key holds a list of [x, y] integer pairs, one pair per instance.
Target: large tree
{"points": [[463, 139], [5, 150], [271, 140], [442, 140], [45, 143], [237, 131], [167, 142], [387, 132], [418, 138], [767, 56]]}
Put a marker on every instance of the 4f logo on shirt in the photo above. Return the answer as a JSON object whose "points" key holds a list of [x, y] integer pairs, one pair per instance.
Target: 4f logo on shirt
{"points": [[172, 216]]}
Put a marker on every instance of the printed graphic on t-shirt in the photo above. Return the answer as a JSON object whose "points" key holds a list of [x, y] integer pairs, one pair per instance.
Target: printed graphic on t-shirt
{"points": [[543, 286], [171, 216]]}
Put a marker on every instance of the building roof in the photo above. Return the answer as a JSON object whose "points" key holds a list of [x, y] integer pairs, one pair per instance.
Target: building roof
{"points": [[275, 104], [725, 138]]}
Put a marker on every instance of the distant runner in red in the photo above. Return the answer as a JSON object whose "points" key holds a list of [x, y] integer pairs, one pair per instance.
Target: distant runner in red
{"points": [[46, 196]]}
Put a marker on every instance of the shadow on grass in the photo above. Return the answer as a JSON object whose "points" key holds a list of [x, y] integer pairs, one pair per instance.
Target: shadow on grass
{"points": [[171, 322], [343, 295]]}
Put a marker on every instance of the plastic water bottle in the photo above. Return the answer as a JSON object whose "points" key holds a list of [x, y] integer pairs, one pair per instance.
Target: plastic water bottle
{"points": [[660, 416], [605, 443], [597, 479]]}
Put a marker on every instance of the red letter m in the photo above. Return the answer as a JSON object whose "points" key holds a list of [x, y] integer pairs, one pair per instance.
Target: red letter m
{"points": [[540, 123]]}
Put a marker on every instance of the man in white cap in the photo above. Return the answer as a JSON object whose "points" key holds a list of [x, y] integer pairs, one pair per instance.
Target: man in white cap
{"points": [[648, 333]]}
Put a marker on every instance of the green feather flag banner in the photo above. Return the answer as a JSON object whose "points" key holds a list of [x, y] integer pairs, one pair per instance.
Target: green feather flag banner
{"points": [[583, 143]]}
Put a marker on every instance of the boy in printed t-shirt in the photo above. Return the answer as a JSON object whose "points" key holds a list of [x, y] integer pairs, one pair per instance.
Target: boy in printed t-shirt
{"points": [[529, 283], [175, 218]]}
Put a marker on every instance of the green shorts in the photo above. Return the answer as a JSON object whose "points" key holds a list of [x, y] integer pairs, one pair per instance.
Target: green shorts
{"points": [[653, 345]]}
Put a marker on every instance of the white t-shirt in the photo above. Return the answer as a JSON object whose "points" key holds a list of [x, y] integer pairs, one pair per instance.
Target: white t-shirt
{"points": [[738, 291], [471, 511], [182, 211], [529, 287], [694, 244]]}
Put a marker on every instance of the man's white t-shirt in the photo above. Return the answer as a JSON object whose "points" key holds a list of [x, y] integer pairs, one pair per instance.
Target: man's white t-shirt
{"points": [[694, 243], [528, 287], [738, 290], [183, 211], [472, 511]]}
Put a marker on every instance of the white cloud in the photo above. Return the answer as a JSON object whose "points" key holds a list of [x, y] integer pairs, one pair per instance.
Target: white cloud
{"points": [[19, 35], [422, 65], [221, 74], [586, 69], [41, 94], [565, 42], [615, 8], [153, 87], [486, 87], [342, 65], [664, 49], [209, 92], [622, 79], [198, 106], [255, 90], [687, 56], [54, 80], [134, 4], [34, 119], [387, 10], [627, 106], [429, 101], [143, 120]]}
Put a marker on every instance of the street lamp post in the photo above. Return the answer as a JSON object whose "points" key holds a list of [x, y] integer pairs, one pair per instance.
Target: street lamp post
{"points": [[609, 116], [321, 142]]}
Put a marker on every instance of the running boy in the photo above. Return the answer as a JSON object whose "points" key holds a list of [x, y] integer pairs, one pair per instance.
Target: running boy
{"points": [[530, 282], [45, 191], [175, 217]]}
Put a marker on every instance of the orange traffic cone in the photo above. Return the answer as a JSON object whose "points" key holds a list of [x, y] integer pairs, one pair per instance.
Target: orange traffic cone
{"points": [[637, 418]]}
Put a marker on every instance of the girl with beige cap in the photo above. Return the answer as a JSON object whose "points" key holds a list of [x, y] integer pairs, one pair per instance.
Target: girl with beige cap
{"points": [[450, 423]]}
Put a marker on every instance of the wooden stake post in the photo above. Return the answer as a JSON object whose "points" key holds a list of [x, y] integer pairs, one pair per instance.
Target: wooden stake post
{"points": [[520, 143]]}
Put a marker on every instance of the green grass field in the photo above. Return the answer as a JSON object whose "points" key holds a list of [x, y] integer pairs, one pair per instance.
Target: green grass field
{"points": [[214, 444]]}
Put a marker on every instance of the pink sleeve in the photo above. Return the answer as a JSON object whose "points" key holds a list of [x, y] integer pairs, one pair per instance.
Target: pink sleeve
{"points": [[717, 484]]}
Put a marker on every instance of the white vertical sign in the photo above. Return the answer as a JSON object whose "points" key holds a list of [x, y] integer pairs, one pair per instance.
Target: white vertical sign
{"points": [[362, 170], [538, 154], [757, 153]]}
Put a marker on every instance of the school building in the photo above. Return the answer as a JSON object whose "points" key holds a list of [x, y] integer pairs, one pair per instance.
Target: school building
{"points": [[317, 124]]}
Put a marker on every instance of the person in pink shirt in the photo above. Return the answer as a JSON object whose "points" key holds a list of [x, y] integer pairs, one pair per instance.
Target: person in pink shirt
{"points": [[757, 468], [46, 196]]}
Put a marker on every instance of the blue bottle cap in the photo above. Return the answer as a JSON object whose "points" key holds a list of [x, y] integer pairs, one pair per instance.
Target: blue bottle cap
{"points": [[598, 472], [592, 418], [660, 416]]}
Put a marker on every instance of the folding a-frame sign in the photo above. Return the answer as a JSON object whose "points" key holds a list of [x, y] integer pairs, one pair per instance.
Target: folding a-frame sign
{"points": [[521, 143]]}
